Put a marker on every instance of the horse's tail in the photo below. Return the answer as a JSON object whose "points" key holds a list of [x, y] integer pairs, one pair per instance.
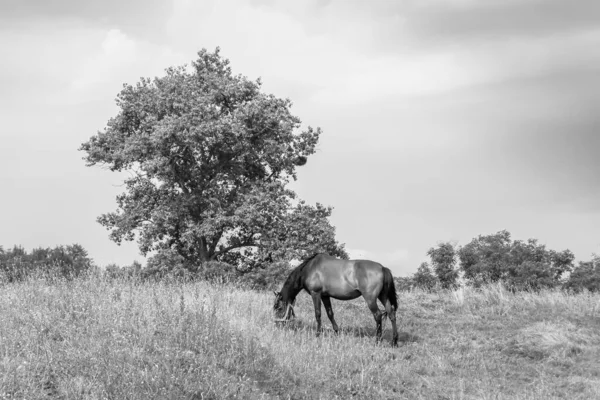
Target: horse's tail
{"points": [[389, 288]]}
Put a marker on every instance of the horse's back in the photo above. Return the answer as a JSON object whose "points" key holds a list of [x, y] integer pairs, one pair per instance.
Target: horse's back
{"points": [[369, 274], [344, 279]]}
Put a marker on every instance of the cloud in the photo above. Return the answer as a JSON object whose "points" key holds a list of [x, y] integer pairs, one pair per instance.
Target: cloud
{"points": [[138, 17], [116, 59], [275, 41], [388, 259], [40, 58], [472, 20], [336, 55], [436, 22], [117, 52]]}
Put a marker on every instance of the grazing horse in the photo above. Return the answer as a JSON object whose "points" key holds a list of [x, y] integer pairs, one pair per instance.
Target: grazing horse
{"points": [[325, 277]]}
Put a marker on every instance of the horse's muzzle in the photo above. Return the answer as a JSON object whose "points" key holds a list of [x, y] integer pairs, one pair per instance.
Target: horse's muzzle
{"points": [[288, 316]]}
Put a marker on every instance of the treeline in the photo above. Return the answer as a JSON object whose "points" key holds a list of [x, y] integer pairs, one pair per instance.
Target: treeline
{"points": [[517, 264], [65, 261], [16, 264], [496, 258]]}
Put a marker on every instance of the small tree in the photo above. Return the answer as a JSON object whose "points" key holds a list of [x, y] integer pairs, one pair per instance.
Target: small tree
{"points": [[486, 258], [585, 276], [424, 277], [443, 259]]}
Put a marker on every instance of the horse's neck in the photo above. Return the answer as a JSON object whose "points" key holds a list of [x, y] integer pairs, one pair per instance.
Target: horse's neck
{"points": [[291, 291]]}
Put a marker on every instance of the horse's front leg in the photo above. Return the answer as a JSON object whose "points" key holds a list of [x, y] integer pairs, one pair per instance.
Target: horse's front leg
{"points": [[316, 297], [329, 310]]}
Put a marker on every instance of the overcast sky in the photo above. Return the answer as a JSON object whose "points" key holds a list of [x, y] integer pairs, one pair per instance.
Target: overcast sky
{"points": [[442, 119]]}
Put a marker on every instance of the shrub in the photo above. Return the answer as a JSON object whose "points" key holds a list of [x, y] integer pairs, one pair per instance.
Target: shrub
{"points": [[585, 276], [520, 265], [424, 278], [114, 271], [269, 277], [62, 261], [443, 259], [403, 283]]}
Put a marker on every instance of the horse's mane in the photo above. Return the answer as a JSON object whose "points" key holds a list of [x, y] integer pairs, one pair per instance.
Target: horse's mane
{"points": [[293, 283]]}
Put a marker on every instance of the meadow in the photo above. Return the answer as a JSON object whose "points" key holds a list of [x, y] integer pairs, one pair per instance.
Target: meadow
{"points": [[98, 338]]}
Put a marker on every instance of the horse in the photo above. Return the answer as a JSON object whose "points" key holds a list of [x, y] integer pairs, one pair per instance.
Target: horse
{"points": [[325, 277]]}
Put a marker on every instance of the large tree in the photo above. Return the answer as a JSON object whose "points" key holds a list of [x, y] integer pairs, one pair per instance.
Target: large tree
{"points": [[210, 156]]}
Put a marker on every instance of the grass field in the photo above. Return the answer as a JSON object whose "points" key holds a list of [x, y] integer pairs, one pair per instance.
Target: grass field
{"points": [[99, 339]]}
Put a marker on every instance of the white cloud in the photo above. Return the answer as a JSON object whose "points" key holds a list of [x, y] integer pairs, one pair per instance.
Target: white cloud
{"points": [[411, 74], [117, 52], [273, 43], [469, 3], [332, 57], [388, 259], [119, 59]]}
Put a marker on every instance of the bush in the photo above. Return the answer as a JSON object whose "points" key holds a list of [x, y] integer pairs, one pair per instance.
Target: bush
{"points": [[424, 278], [217, 272], [443, 260], [270, 277], [166, 263], [113, 271], [520, 265], [62, 261], [404, 284], [585, 276]]}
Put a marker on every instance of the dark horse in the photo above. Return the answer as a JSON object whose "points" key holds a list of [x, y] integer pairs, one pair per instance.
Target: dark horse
{"points": [[325, 277]]}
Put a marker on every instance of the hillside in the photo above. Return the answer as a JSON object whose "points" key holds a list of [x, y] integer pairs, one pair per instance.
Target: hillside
{"points": [[94, 338]]}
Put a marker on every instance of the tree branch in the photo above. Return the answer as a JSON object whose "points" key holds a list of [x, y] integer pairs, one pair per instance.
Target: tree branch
{"points": [[214, 243], [246, 242]]}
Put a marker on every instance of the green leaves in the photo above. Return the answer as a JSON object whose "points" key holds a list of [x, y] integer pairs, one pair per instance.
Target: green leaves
{"points": [[210, 155]]}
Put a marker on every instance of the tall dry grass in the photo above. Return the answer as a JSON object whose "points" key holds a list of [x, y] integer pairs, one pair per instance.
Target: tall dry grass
{"points": [[92, 338]]}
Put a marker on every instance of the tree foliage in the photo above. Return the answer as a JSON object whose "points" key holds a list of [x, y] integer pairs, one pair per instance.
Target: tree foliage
{"points": [[424, 277], [68, 261], [443, 258], [519, 264], [210, 156], [585, 276], [129, 271]]}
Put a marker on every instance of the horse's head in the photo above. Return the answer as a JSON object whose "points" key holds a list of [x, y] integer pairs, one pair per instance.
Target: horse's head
{"points": [[283, 309]]}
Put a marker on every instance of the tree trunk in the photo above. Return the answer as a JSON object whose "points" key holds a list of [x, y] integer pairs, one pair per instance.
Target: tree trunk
{"points": [[203, 251]]}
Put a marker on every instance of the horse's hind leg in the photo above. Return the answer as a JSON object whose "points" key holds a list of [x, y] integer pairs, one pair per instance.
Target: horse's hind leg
{"points": [[377, 314], [316, 297], [327, 304], [391, 313]]}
